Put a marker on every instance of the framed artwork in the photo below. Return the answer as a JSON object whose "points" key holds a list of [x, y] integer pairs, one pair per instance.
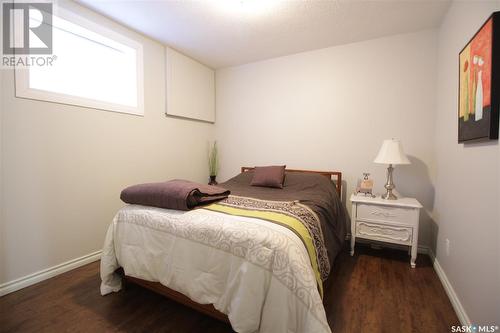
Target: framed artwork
{"points": [[479, 85]]}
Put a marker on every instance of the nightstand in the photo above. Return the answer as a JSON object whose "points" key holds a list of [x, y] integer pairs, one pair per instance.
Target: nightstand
{"points": [[390, 221]]}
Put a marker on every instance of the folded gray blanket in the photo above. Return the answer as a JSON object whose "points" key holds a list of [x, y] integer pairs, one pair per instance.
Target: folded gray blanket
{"points": [[174, 194]]}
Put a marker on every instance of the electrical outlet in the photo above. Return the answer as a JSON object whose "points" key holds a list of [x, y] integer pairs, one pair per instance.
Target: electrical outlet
{"points": [[447, 247]]}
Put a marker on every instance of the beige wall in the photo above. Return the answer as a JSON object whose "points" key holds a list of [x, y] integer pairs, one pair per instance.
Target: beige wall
{"points": [[331, 109], [63, 167], [467, 183]]}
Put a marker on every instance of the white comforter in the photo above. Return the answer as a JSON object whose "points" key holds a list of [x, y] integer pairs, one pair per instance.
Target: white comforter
{"points": [[256, 272]]}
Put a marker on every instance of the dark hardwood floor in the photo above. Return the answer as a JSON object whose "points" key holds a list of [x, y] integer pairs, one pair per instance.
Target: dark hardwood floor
{"points": [[374, 291]]}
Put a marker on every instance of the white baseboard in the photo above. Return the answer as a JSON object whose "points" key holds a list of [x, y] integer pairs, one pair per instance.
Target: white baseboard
{"points": [[45, 274], [422, 249], [452, 295]]}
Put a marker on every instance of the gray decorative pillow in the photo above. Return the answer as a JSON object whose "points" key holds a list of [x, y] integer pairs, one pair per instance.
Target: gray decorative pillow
{"points": [[269, 176]]}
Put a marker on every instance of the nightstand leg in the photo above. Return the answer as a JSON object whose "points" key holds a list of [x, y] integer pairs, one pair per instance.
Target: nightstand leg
{"points": [[353, 241], [414, 243], [413, 255], [353, 227]]}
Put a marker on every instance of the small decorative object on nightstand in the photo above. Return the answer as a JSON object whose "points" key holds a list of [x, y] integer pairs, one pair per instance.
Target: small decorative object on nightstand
{"points": [[391, 153], [365, 186], [394, 221]]}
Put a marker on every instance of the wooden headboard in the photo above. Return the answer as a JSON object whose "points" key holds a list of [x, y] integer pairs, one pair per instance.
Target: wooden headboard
{"points": [[328, 174]]}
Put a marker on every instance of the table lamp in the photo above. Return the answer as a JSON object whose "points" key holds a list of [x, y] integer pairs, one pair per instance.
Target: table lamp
{"points": [[391, 153]]}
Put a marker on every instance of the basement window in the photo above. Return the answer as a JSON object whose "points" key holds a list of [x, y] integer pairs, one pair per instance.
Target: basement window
{"points": [[93, 67]]}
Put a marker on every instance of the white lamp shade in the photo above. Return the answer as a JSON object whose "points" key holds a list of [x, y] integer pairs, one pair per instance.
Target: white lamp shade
{"points": [[391, 152]]}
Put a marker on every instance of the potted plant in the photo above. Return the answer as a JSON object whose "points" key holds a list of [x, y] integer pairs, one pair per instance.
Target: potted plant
{"points": [[213, 163]]}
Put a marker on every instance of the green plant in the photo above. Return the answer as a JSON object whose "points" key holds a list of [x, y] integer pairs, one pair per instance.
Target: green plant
{"points": [[213, 160]]}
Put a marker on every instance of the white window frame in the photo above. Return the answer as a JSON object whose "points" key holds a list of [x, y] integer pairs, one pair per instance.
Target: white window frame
{"points": [[23, 89]]}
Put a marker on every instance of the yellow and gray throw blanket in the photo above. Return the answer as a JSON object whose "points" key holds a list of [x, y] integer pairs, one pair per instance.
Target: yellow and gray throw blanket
{"points": [[291, 214]]}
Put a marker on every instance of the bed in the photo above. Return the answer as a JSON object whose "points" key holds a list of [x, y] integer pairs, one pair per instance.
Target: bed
{"points": [[235, 260]]}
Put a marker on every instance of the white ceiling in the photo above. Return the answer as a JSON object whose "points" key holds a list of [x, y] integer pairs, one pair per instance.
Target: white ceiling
{"points": [[222, 33]]}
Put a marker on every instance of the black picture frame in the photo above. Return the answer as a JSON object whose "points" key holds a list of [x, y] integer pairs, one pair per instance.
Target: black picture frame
{"points": [[485, 128]]}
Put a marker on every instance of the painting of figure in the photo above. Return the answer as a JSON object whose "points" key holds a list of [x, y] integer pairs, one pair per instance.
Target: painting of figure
{"points": [[478, 119]]}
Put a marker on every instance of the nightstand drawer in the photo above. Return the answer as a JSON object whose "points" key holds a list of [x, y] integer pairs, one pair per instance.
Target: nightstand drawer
{"points": [[384, 233], [384, 213]]}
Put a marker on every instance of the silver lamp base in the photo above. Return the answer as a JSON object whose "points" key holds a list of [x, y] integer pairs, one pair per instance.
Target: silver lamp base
{"points": [[389, 186]]}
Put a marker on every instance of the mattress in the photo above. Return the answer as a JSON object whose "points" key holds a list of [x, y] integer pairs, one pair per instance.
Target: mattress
{"points": [[257, 273]]}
